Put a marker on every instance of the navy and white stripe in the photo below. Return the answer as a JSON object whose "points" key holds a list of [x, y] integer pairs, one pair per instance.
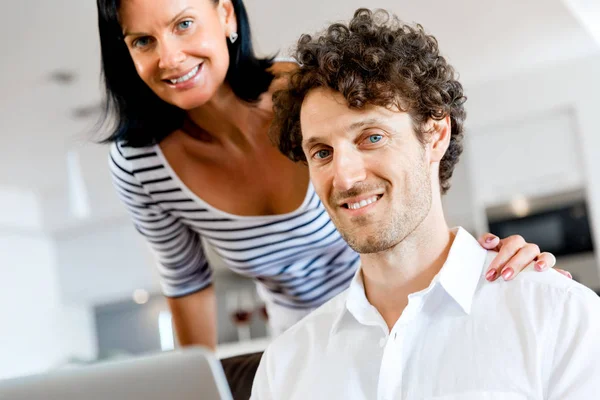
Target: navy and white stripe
{"points": [[300, 258]]}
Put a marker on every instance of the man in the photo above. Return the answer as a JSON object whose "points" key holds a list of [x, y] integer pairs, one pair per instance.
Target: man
{"points": [[378, 115]]}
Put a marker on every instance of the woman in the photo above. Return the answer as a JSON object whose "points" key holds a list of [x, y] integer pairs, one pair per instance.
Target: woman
{"points": [[191, 160]]}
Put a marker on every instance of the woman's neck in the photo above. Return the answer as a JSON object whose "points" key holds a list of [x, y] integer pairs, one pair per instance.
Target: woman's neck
{"points": [[226, 117]]}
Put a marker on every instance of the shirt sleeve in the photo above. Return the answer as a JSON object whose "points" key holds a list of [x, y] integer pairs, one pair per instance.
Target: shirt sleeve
{"points": [[576, 359], [183, 268]]}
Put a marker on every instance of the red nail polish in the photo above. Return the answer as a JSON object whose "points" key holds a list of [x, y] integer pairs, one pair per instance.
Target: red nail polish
{"points": [[569, 275], [540, 266], [507, 273], [490, 239], [491, 275]]}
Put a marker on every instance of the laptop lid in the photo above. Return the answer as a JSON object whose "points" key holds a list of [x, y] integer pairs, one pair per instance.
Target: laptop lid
{"points": [[187, 374]]}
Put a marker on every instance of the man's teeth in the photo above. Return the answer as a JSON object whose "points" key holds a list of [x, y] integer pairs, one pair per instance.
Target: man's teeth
{"points": [[186, 77], [363, 203]]}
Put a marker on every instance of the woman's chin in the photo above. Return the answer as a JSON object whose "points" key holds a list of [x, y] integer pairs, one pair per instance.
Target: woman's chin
{"points": [[191, 103]]}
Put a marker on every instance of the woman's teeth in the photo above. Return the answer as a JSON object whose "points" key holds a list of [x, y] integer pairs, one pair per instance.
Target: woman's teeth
{"points": [[363, 203], [186, 77]]}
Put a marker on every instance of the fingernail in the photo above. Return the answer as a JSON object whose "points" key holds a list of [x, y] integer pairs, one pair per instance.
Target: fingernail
{"points": [[540, 266], [490, 239], [491, 275], [507, 273], [569, 275]]}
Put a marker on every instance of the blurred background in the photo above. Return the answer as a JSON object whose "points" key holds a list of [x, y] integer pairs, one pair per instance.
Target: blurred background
{"points": [[78, 283]]}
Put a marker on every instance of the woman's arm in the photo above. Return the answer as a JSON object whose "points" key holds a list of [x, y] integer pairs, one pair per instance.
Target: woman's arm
{"points": [[185, 274], [195, 318]]}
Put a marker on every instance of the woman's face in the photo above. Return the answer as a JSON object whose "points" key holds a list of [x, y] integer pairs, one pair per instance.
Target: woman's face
{"points": [[179, 47]]}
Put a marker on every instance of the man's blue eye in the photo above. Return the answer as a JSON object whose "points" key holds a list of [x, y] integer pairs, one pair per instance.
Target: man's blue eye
{"points": [[322, 154], [375, 138], [185, 24]]}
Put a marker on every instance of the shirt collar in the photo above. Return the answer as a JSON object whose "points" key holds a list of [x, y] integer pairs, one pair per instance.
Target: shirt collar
{"points": [[356, 306], [459, 277], [463, 268]]}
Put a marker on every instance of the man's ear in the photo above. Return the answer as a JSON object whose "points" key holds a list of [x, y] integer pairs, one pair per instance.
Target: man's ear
{"points": [[227, 16], [440, 138]]}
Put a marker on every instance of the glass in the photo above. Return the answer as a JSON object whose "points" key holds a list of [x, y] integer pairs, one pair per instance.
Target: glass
{"points": [[240, 306], [261, 309]]}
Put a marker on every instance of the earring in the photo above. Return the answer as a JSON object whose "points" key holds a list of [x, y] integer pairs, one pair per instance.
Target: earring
{"points": [[233, 36]]}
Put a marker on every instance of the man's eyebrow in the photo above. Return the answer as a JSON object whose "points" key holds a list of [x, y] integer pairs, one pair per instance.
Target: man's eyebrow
{"points": [[126, 33], [352, 127], [310, 142], [365, 122]]}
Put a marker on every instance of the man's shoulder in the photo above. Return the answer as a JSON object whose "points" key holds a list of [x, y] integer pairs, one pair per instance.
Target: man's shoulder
{"points": [[290, 360], [315, 327], [550, 287]]}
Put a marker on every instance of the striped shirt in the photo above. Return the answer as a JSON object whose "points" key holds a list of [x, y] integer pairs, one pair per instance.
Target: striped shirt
{"points": [[299, 258]]}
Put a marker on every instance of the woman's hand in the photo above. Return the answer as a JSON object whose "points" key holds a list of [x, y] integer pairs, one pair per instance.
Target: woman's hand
{"points": [[514, 254]]}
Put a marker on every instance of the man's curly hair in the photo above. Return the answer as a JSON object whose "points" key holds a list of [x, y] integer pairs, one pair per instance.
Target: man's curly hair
{"points": [[377, 60]]}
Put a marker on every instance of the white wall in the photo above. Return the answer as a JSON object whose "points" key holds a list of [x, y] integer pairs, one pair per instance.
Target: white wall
{"points": [[95, 186], [37, 331], [572, 86], [104, 262], [100, 256], [24, 214], [458, 202], [55, 267], [531, 157]]}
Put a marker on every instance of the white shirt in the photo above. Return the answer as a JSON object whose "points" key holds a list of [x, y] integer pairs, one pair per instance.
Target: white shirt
{"points": [[536, 337]]}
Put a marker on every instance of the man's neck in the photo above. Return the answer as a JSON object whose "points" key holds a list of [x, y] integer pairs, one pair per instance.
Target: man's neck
{"points": [[390, 276]]}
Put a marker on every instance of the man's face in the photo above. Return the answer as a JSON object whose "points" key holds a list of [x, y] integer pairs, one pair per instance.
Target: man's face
{"points": [[369, 169]]}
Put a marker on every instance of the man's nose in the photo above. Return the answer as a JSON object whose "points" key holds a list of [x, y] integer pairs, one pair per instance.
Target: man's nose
{"points": [[349, 169]]}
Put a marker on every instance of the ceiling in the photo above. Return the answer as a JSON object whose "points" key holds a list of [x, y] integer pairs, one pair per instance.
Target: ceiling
{"points": [[484, 40]]}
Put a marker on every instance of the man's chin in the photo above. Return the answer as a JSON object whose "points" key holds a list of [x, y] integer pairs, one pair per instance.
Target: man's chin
{"points": [[369, 248], [364, 243], [358, 225]]}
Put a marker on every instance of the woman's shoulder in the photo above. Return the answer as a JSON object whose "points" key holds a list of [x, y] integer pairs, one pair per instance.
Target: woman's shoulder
{"points": [[282, 68], [283, 65], [129, 157]]}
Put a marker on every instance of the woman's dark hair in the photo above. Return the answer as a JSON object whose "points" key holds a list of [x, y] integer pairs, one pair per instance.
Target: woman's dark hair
{"points": [[374, 59], [138, 116]]}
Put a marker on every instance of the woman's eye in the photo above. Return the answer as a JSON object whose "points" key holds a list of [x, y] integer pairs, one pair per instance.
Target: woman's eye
{"points": [[185, 24], [321, 154], [375, 138], [141, 42]]}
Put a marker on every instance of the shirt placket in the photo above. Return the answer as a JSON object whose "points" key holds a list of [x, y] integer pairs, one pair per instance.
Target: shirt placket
{"points": [[390, 383]]}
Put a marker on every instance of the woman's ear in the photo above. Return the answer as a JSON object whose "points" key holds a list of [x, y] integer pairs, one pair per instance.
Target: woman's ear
{"points": [[227, 16], [440, 138]]}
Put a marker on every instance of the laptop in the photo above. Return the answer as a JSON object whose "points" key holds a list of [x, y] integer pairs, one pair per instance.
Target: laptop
{"points": [[188, 374]]}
